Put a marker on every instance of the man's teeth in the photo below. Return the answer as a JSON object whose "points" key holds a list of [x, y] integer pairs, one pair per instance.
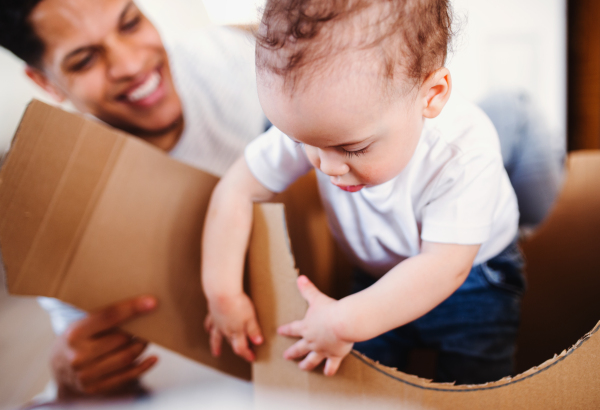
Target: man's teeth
{"points": [[147, 88]]}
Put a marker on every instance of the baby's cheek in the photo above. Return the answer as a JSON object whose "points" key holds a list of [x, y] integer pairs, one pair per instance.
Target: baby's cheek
{"points": [[376, 173], [368, 172], [313, 156]]}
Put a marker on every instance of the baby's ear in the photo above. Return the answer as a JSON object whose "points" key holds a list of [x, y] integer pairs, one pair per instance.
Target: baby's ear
{"points": [[435, 92], [41, 79]]}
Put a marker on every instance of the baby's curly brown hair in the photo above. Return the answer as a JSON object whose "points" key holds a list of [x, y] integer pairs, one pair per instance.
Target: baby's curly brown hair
{"points": [[297, 37]]}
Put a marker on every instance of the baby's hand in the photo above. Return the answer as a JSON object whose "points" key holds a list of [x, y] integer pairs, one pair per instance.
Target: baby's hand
{"points": [[235, 320], [319, 341]]}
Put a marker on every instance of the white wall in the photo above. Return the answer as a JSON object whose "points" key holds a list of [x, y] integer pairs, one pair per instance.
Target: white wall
{"points": [[15, 92], [509, 44], [514, 44], [502, 45], [233, 11]]}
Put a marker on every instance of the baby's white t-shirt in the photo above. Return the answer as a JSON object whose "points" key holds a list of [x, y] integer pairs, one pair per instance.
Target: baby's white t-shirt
{"points": [[453, 190]]}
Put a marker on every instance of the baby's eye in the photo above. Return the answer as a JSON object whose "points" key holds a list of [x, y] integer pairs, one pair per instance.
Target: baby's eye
{"points": [[355, 153]]}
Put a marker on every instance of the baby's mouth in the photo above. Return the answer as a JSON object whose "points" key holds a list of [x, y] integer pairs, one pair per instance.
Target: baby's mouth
{"points": [[351, 188]]}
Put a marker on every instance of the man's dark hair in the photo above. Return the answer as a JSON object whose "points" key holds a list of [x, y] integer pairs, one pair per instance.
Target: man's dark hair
{"points": [[16, 33]]}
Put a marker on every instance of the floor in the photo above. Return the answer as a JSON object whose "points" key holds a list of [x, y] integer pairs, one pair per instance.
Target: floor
{"points": [[175, 382], [25, 341]]}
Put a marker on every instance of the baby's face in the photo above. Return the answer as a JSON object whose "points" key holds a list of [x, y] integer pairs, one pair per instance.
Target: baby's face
{"points": [[350, 130]]}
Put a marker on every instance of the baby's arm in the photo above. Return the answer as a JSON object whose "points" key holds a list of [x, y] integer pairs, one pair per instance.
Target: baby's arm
{"points": [[408, 291], [225, 239]]}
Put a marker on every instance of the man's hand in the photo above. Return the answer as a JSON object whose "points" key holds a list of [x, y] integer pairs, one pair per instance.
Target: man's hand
{"points": [[319, 340], [94, 357], [233, 318]]}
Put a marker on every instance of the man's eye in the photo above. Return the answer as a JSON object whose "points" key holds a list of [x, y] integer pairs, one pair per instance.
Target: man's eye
{"points": [[131, 24], [356, 153], [84, 63]]}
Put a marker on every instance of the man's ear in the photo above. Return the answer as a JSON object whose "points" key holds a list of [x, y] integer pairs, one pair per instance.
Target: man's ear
{"points": [[435, 92], [41, 79]]}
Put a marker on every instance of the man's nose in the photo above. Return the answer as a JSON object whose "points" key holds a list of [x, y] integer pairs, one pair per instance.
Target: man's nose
{"points": [[332, 163], [123, 60]]}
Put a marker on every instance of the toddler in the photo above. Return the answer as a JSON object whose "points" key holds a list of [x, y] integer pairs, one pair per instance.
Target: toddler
{"points": [[411, 179]]}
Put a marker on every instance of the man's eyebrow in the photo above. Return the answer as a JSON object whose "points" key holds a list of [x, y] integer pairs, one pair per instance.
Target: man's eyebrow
{"points": [[87, 47], [76, 51], [125, 10]]}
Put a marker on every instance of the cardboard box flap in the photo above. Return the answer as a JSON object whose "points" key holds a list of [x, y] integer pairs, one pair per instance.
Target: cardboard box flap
{"points": [[75, 157], [563, 266], [91, 216], [567, 381]]}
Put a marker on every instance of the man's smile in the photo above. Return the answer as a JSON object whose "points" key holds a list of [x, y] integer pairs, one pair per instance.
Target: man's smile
{"points": [[146, 92]]}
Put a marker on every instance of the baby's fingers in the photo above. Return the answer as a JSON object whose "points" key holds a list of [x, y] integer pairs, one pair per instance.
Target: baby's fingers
{"points": [[208, 323], [297, 350], [332, 365], [254, 332], [311, 361], [216, 339], [293, 329], [239, 344]]}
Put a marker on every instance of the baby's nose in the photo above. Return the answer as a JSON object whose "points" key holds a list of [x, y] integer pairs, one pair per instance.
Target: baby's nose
{"points": [[332, 163]]}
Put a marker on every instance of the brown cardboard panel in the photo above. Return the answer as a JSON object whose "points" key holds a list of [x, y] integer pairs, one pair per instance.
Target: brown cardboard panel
{"points": [[320, 258], [563, 267], [568, 381], [56, 167], [91, 216]]}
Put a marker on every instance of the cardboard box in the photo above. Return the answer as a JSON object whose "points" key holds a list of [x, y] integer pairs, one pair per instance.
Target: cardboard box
{"points": [[91, 216]]}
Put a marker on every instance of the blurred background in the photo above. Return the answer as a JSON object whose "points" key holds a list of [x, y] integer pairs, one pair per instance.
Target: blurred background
{"points": [[516, 45]]}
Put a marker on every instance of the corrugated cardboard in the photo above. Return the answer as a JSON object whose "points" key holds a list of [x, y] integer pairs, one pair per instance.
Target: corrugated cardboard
{"points": [[563, 267], [92, 216], [568, 381]]}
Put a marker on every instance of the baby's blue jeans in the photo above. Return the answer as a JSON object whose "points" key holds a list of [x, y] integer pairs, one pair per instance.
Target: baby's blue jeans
{"points": [[474, 330]]}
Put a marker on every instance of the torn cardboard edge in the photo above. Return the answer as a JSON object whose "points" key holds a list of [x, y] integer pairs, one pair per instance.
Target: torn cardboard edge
{"points": [[562, 265], [91, 216], [363, 379]]}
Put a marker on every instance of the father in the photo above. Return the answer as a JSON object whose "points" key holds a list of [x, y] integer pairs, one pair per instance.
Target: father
{"points": [[196, 99]]}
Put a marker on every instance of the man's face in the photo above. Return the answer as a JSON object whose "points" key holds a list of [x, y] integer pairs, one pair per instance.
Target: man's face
{"points": [[109, 61]]}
